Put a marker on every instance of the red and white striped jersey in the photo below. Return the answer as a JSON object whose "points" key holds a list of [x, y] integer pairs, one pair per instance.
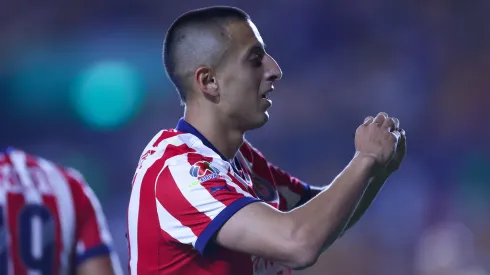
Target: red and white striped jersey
{"points": [[50, 220], [184, 191]]}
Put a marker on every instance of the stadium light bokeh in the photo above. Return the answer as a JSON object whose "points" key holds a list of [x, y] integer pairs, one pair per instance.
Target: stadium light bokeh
{"points": [[107, 94]]}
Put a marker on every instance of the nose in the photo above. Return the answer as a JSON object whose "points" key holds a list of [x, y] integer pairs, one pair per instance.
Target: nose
{"points": [[273, 71]]}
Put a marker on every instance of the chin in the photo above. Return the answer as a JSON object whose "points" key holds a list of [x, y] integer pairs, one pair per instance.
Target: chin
{"points": [[266, 117], [259, 121]]}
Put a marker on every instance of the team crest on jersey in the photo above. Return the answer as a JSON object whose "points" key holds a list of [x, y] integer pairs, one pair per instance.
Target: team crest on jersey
{"points": [[264, 189], [203, 171]]}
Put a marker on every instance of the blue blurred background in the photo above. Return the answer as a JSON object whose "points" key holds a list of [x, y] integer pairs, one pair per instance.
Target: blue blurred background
{"points": [[82, 83]]}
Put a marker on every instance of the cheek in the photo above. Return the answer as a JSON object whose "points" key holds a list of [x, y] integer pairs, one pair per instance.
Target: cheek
{"points": [[240, 87]]}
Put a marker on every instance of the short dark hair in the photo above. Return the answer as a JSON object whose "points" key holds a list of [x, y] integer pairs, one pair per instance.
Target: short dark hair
{"points": [[197, 38]]}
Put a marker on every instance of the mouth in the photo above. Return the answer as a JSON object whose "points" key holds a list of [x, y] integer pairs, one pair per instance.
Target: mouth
{"points": [[266, 94]]}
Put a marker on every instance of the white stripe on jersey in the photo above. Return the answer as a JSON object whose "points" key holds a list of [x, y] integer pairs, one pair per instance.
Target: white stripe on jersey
{"points": [[31, 196], [198, 196], [169, 224], [66, 211], [134, 200]]}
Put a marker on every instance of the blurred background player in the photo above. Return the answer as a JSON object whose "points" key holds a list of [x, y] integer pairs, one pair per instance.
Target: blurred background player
{"points": [[50, 221]]}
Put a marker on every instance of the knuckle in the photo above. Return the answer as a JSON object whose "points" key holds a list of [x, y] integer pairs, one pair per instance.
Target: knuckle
{"points": [[394, 137], [368, 119]]}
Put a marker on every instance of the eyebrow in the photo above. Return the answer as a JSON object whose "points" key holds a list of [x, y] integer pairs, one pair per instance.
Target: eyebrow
{"points": [[257, 46]]}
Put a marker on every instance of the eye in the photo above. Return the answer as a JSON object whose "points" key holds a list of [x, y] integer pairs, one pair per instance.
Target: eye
{"points": [[256, 60]]}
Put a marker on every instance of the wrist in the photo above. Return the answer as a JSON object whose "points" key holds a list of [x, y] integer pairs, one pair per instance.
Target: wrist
{"points": [[366, 162]]}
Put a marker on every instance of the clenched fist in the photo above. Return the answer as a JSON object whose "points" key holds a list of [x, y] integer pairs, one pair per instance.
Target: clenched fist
{"points": [[377, 138]]}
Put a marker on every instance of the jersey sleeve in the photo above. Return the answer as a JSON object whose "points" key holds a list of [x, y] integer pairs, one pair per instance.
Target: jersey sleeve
{"points": [[195, 200], [92, 236], [292, 190]]}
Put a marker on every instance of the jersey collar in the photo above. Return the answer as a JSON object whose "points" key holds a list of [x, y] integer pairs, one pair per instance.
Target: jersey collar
{"points": [[185, 127]]}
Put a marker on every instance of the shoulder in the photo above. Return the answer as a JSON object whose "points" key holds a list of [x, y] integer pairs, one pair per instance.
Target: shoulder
{"points": [[54, 172], [178, 151]]}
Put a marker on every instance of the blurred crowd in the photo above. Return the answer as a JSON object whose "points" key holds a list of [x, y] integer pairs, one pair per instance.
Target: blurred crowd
{"points": [[425, 62]]}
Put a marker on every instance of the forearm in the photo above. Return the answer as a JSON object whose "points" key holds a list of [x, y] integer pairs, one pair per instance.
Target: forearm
{"points": [[367, 199], [321, 220]]}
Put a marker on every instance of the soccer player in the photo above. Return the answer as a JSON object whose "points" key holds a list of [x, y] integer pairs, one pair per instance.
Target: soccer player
{"points": [[203, 200], [50, 221]]}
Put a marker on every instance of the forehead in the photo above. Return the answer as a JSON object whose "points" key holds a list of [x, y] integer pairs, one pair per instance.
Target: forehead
{"points": [[244, 34]]}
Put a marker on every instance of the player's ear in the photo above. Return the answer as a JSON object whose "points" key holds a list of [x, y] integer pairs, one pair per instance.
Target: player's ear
{"points": [[206, 81]]}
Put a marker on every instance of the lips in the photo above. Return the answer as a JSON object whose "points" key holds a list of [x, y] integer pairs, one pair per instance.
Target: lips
{"points": [[266, 94]]}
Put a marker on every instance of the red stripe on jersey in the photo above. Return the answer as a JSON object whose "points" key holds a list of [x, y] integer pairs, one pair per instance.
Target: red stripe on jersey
{"points": [[87, 227], [193, 158], [76, 191], [165, 134], [148, 224], [183, 259], [283, 204], [268, 171], [31, 161], [50, 203], [170, 197], [224, 196], [246, 151], [175, 259], [240, 184], [173, 150], [15, 202], [90, 234]]}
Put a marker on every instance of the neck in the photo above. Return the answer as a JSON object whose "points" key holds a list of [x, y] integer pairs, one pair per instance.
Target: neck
{"points": [[224, 137]]}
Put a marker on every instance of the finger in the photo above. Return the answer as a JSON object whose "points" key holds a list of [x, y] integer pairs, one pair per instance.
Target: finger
{"points": [[397, 122], [396, 134], [389, 123], [403, 138], [380, 118], [402, 132], [368, 120]]}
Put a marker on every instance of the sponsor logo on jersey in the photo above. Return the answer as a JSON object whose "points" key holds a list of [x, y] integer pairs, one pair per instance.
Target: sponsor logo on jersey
{"points": [[203, 171], [202, 168]]}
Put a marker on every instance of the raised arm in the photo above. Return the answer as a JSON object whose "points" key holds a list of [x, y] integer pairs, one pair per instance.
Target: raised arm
{"points": [[297, 238], [380, 178]]}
